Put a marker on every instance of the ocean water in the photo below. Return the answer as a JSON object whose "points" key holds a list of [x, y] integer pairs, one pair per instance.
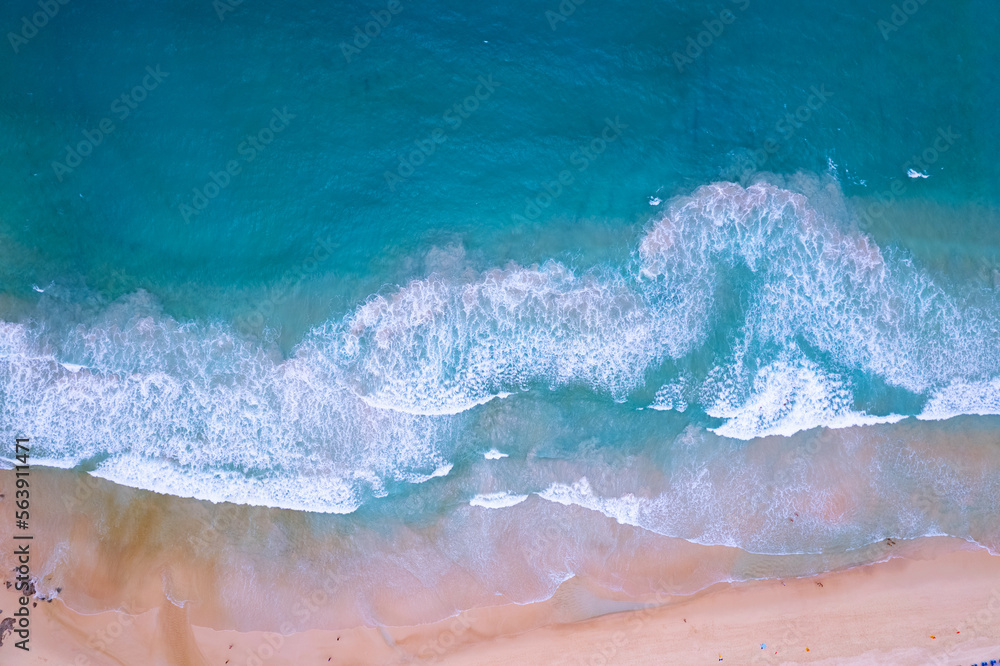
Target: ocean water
{"points": [[725, 272]]}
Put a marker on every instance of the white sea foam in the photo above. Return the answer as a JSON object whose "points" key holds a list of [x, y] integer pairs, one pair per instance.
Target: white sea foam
{"points": [[369, 398], [440, 346], [786, 397], [195, 411], [493, 454], [806, 493], [807, 279], [499, 500], [625, 509], [670, 397], [443, 470], [304, 493], [964, 397], [443, 346]]}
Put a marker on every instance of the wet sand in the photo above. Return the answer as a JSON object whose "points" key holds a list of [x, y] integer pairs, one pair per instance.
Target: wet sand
{"points": [[107, 547]]}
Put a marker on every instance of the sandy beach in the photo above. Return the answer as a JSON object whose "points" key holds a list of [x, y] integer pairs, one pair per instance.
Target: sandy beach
{"points": [[556, 333], [932, 601]]}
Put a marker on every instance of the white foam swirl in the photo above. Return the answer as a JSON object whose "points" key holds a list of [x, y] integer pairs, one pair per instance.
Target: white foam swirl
{"points": [[803, 307], [195, 411], [442, 346]]}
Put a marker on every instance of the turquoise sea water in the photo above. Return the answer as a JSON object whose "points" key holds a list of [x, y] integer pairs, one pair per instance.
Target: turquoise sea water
{"points": [[663, 257]]}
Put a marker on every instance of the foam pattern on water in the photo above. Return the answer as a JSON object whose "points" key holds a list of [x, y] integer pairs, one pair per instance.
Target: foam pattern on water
{"points": [[807, 494], [500, 500], [442, 346], [807, 310], [784, 397], [808, 284], [195, 411], [816, 290]]}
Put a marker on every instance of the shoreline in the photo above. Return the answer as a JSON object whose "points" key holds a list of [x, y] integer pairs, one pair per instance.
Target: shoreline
{"points": [[135, 550], [885, 612]]}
